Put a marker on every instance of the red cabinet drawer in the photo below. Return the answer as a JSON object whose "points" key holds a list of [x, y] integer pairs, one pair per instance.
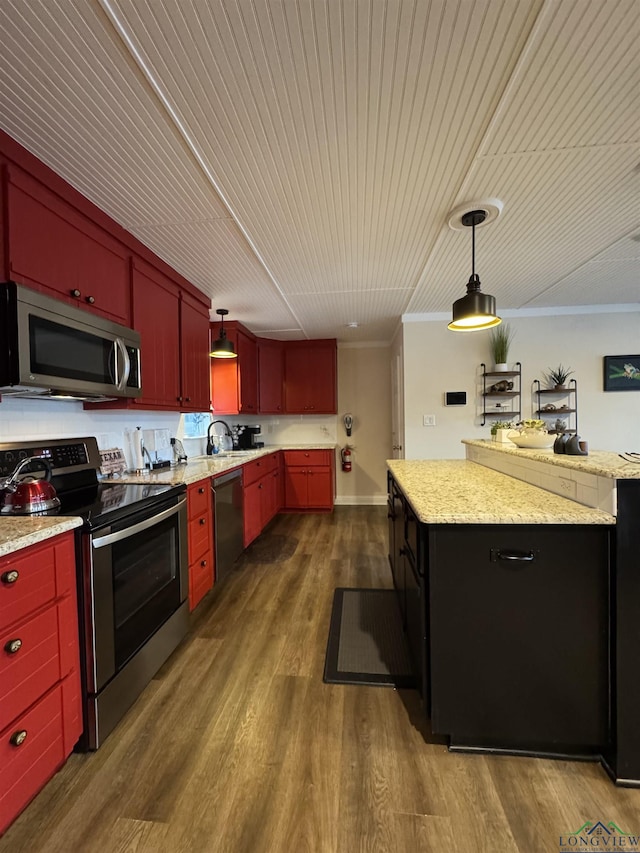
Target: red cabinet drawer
{"points": [[28, 766], [200, 580], [307, 457], [29, 663], [200, 535], [199, 498], [252, 471], [37, 581]]}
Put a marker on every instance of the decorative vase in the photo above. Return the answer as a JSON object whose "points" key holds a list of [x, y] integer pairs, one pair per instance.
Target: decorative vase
{"points": [[501, 367]]}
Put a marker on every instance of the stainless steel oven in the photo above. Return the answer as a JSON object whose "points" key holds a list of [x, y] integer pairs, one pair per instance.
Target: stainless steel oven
{"points": [[135, 599], [132, 570]]}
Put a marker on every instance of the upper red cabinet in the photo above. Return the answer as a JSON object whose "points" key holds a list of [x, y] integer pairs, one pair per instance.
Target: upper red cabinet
{"points": [[310, 377], [234, 381], [194, 355], [270, 376], [156, 302], [55, 249]]}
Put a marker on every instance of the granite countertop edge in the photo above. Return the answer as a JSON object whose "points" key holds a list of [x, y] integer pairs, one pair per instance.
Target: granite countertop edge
{"points": [[604, 463], [18, 532], [458, 491]]}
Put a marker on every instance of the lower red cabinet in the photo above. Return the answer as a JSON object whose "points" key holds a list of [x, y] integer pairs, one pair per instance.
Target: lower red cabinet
{"points": [[200, 537], [309, 480], [40, 703], [262, 494]]}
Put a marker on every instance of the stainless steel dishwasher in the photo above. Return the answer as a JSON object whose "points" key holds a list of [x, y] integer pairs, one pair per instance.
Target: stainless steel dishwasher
{"points": [[228, 521]]}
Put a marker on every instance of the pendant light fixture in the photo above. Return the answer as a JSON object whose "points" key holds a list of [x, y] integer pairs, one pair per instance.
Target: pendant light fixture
{"points": [[476, 310], [223, 347]]}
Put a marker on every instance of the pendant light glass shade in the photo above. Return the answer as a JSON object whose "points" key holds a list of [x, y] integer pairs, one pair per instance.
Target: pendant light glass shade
{"points": [[222, 347], [476, 310]]}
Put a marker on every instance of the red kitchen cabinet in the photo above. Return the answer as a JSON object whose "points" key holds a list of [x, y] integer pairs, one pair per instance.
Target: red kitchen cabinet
{"points": [[200, 539], [262, 494], [40, 703], [310, 377], [194, 355], [309, 480], [234, 381], [156, 305], [54, 248], [270, 376]]}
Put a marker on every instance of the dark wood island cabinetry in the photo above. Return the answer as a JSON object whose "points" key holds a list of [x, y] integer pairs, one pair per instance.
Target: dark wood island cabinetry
{"points": [[528, 616]]}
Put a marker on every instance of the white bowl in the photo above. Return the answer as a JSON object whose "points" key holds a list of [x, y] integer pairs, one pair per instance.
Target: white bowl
{"points": [[533, 440]]}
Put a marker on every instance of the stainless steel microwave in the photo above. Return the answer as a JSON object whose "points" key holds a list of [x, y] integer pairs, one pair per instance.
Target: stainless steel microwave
{"points": [[51, 349]]}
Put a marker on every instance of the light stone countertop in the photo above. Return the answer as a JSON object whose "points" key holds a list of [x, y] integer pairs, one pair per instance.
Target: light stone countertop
{"points": [[201, 467], [605, 463], [457, 491], [18, 532]]}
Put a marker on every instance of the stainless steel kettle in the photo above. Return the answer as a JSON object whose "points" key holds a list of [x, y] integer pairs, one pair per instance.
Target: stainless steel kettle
{"points": [[29, 494]]}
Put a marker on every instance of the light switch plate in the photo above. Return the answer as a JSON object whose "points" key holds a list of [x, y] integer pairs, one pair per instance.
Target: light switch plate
{"points": [[428, 420]]}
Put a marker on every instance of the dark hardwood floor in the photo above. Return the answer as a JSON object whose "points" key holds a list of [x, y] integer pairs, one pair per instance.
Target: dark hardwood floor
{"points": [[237, 745]]}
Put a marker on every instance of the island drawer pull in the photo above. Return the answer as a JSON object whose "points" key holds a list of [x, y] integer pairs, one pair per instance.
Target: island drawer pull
{"points": [[512, 556]]}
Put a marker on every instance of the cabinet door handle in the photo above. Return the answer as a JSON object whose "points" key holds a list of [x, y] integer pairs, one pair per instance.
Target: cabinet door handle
{"points": [[10, 577], [75, 292], [13, 646], [203, 563], [90, 299], [18, 738], [201, 490], [203, 521], [512, 556]]}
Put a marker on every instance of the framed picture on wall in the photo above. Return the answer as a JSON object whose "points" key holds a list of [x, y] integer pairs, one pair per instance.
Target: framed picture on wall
{"points": [[622, 373]]}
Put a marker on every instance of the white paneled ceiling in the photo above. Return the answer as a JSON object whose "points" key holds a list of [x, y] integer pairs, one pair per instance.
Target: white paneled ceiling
{"points": [[297, 159]]}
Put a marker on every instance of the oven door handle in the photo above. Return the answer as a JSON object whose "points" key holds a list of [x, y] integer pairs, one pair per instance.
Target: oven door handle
{"points": [[110, 538]]}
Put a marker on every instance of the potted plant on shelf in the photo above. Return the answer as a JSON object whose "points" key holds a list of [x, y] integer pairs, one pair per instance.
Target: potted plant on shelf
{"points": [[500, 340], [556, 377]]}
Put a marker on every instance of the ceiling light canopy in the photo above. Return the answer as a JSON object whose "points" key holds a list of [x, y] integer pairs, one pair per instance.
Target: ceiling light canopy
{"points": [[223, 347], [476, 310]]}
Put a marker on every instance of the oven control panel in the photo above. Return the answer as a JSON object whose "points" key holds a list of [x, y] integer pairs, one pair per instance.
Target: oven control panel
{"points": [[68, 455]]}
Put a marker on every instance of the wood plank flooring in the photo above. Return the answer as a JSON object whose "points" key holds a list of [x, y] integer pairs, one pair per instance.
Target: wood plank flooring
{"points": [[238, 746]]}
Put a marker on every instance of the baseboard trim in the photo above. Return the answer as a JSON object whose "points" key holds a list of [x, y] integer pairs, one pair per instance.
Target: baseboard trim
{"points": [[360, 500]]}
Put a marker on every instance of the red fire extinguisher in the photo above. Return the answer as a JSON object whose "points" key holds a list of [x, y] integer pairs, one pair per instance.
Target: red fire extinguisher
{"points": [[346, 458]]}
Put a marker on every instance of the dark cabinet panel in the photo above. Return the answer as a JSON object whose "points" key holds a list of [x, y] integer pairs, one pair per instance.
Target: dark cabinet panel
{"points": [[519, 633]]}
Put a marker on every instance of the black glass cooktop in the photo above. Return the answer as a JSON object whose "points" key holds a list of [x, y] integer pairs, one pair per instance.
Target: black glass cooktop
{"points": [[104, 503]]}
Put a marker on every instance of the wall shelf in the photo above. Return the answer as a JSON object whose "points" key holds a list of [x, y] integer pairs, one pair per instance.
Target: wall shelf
{"points": [[569, 398], [514, 411]]}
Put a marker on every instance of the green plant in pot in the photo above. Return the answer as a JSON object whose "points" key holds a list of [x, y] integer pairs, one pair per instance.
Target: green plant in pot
{"points": [[556, 377], [499, 430], [500, 340]]}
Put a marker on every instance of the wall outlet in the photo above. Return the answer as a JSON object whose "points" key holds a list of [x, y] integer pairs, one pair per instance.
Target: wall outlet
{"points": [[428, 420]]}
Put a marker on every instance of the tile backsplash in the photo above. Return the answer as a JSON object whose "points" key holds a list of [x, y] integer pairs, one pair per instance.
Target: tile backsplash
{"points": [[35, 419]]}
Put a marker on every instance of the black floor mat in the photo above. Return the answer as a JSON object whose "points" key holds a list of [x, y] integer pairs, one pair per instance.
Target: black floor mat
{"points": [[366, 643]]}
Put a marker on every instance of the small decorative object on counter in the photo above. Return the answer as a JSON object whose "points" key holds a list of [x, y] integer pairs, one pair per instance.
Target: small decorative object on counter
{"points": [[533, 434], [500, 431], [500, 340], [560, 444], [556, 377], [573, 448]]}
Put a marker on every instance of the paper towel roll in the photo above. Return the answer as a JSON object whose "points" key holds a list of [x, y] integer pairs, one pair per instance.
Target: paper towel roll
{"points": [[136, 448]]}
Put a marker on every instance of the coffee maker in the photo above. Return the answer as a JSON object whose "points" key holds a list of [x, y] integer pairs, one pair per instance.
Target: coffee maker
{"points": [[246, 437]]}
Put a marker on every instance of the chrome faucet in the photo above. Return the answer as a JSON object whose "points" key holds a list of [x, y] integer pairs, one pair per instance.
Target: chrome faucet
{"points": [[209, 450]]}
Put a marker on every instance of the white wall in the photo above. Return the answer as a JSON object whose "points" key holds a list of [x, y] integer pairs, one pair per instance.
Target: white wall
{"points": [[437, 360]]}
